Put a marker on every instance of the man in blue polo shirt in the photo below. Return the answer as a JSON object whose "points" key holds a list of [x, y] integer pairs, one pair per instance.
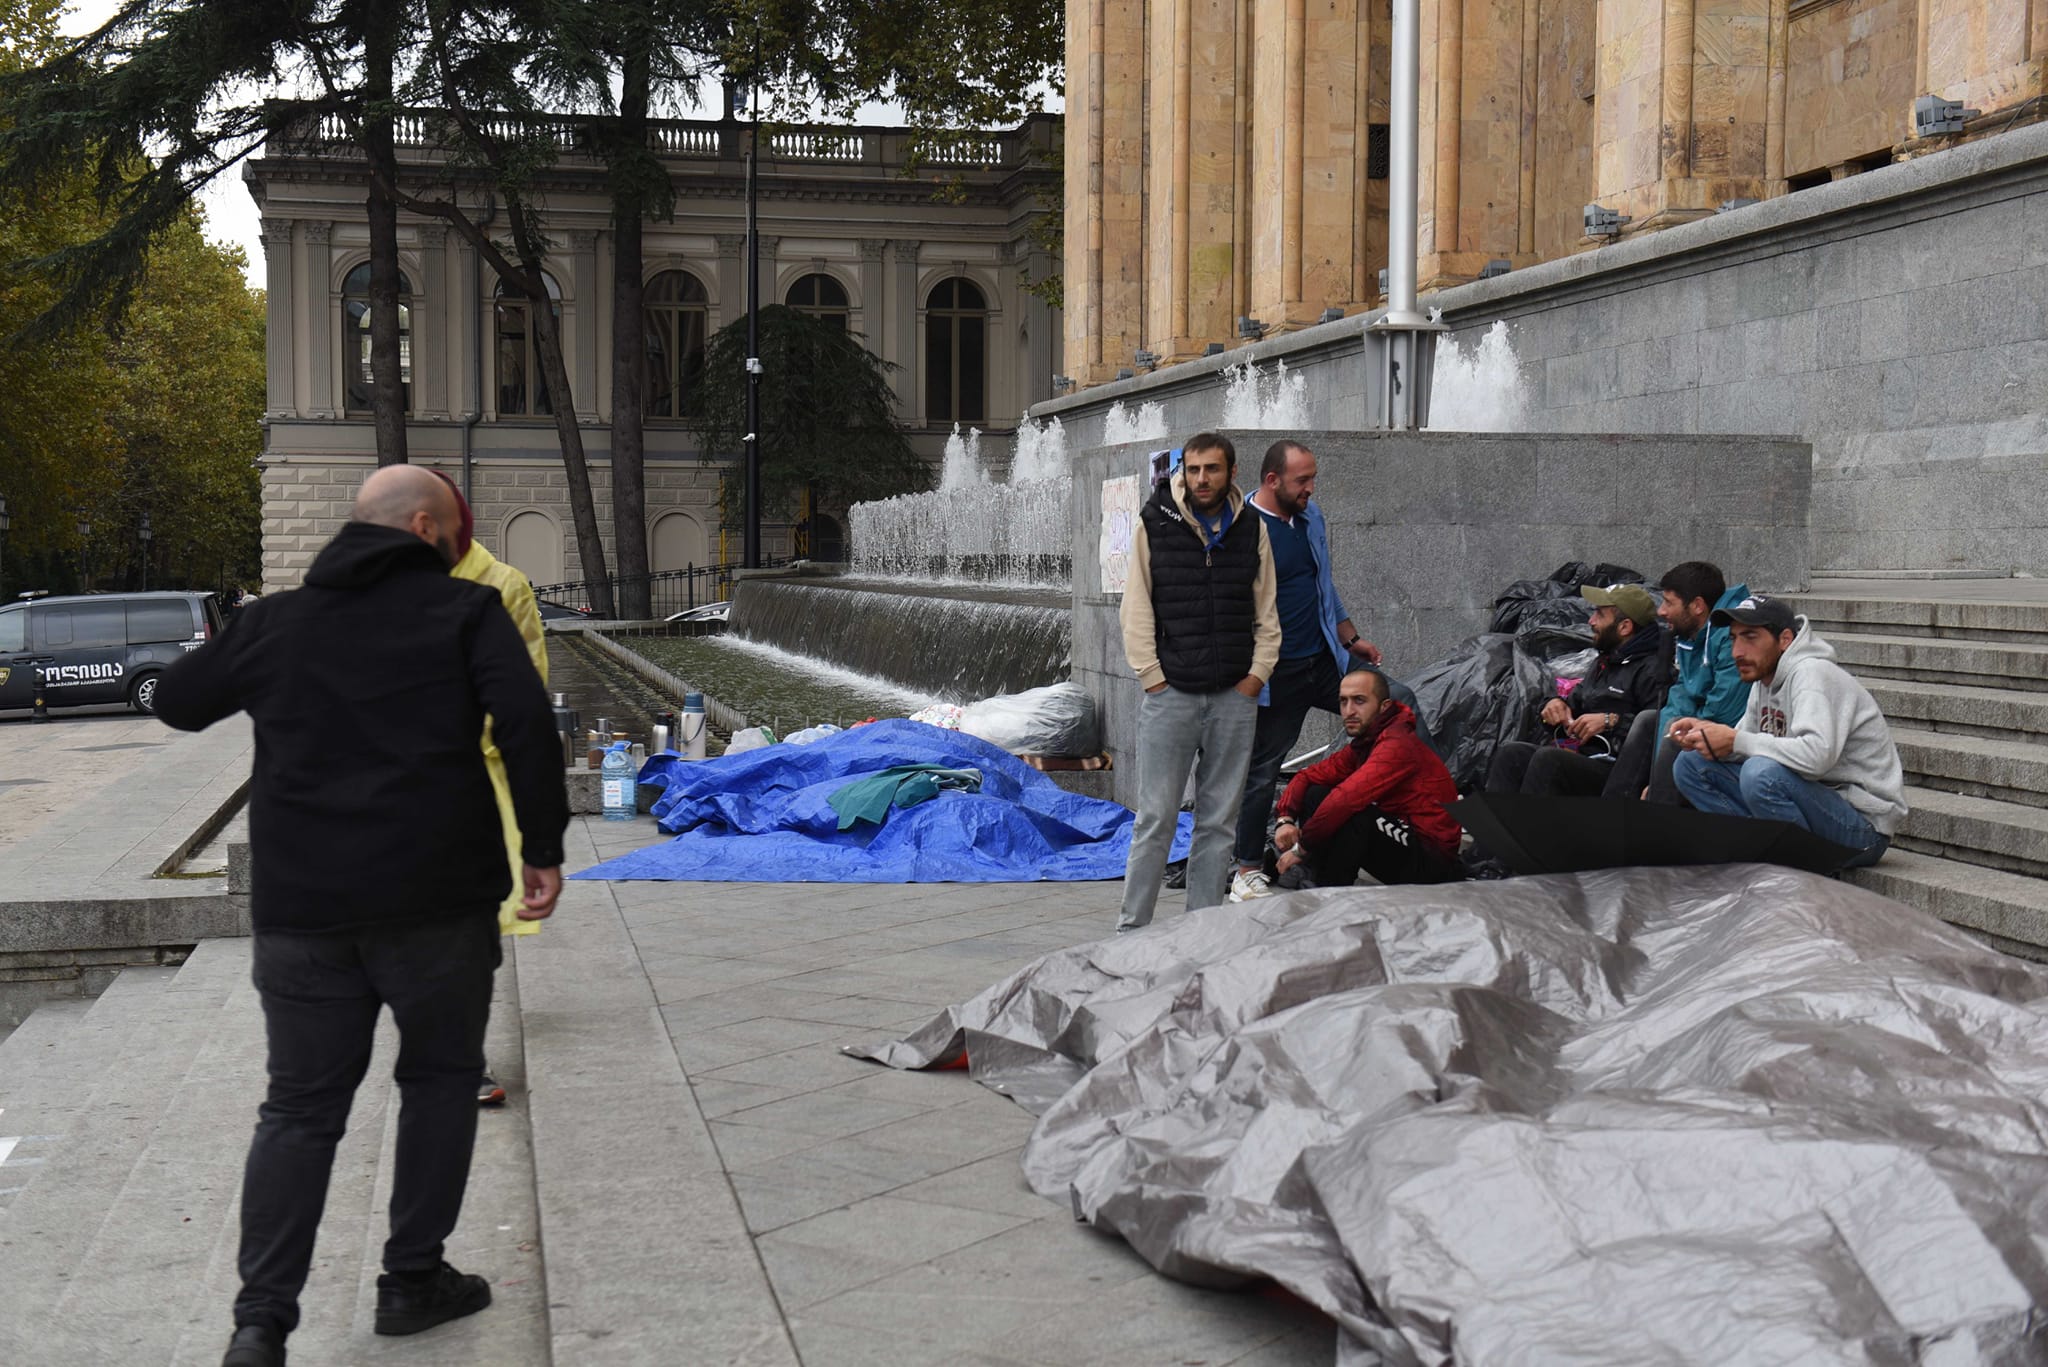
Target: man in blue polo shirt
{"points": [[1318, 647]]}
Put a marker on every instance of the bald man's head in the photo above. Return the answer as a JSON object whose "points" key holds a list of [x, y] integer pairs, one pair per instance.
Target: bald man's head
{"points": [[411, 500]]}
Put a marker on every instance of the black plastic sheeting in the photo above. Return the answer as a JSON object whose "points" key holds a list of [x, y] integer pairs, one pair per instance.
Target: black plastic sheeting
{"points": [[1645, 1116], [1547, 615], [1487, 693]]}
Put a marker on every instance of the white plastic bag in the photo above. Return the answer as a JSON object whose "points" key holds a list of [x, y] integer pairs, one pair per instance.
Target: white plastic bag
{"points": [[944, 715], [749, 738], [1057, 720], [810, 734]]}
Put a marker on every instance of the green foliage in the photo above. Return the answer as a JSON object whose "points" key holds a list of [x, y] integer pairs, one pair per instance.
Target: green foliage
{"points": [[827, 414]]}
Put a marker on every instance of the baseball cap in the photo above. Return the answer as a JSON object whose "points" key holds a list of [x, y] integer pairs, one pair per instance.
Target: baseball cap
{"points": [[1757, 611], [1632, 600]]}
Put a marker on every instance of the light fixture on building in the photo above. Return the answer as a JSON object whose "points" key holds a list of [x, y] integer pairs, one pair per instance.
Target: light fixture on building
{"points": [[1213, 349], [1251, 329], [1496, 268], [1604, 222], [1126, 373], [1729, 206], [1061, 384], [1331, 315], [1932, 114], [1146, 359]]}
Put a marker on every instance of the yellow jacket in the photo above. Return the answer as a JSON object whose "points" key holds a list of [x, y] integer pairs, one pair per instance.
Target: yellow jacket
{"points": [[479, 566]]}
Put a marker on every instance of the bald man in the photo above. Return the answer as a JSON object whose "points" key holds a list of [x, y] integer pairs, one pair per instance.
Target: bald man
{"points": [[379, 863]]}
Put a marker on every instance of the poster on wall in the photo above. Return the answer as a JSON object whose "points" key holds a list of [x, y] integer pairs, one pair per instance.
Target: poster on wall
{"points": [[1121, 498]]}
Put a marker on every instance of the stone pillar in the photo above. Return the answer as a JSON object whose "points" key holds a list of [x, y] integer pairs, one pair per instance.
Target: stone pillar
{"points": [[1106, 145], [432, 321], [1191, 263], [770, 250], [464, 388], [732, 280], [902, 344], [868, 318], [584, 337], [322, 322], [1480, 110], [278, 299]]}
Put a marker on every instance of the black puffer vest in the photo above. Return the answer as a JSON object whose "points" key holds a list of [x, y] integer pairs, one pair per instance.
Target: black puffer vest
{"points": [[1202, 601]]}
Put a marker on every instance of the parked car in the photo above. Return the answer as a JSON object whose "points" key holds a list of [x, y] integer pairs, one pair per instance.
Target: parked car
{"points": [[101, 647], [704, 612]]}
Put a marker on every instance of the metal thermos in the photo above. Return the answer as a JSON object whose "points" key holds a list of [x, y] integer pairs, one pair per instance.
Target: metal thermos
{"points": [[657, 739], [567, 724], [690, 733]]}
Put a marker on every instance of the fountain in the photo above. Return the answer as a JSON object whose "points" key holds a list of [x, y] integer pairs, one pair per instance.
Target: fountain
{"points": [[961, 468], [1147, 424], [1479, 392], [1256, 401]]}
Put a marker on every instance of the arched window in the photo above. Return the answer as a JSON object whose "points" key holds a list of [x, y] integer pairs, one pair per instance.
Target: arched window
{"points": [[955, 353], [820, 296], [675, 304], [533, 546], [522, 389], [355, 339]]}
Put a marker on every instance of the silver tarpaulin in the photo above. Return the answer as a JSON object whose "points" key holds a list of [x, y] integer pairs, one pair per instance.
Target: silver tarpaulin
{"points": [[1644, 1116]]}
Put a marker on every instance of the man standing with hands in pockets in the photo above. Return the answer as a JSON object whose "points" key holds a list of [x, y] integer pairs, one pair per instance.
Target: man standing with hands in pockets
{"points": [[379, 864], [1202, 633]]}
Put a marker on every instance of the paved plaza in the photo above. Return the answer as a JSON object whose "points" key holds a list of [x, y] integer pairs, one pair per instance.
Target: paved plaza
{"points": [[689, 1170]]}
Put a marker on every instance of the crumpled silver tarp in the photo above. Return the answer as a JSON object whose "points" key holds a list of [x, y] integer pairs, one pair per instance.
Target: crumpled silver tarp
{"points": [[1643, 1116]]}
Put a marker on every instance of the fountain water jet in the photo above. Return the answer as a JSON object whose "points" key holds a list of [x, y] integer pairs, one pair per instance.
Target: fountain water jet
{"points": [[962, 467], [1276, 402], [1480, 390], [1147, 424]]}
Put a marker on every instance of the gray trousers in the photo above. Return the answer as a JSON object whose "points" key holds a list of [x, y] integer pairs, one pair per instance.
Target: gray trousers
{"points": [[1173, 727]]}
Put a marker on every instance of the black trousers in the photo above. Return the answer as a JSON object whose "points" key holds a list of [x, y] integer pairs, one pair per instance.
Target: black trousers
{"points": [[1645, 762], [1384, 846], [1546, 771], [321, 996]]}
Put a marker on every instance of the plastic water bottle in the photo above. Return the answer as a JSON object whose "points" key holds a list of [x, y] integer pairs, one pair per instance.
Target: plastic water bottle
{"points": [[620, 795]]}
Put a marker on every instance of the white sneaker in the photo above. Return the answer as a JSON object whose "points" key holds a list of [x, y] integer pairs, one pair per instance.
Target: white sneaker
{"points": [[1250, 884]]}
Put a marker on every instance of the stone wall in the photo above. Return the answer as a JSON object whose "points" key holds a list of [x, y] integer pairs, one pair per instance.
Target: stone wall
{"points": [[1426, 528], [1896, 321]]}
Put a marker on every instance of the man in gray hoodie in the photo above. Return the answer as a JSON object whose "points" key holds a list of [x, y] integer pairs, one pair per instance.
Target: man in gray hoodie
{"points": [[1812, 747]]}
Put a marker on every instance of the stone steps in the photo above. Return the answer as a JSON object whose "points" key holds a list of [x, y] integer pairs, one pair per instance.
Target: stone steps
{"points": [[1929, 660], [1995, 713], [2008, 909], [2009, 623], [1977, 766], [1975, 830]]}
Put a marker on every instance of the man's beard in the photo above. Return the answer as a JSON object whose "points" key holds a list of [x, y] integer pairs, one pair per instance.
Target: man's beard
{"points": [[1607, 639]]}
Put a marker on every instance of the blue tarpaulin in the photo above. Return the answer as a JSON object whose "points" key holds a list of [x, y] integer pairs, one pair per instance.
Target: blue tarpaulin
{"points": [[765, 817]]}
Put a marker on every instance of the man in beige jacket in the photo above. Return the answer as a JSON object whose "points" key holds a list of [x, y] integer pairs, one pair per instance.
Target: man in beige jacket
{"points": [[1202, 633]]}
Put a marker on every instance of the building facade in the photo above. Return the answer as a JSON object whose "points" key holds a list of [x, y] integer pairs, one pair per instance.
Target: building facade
{"points": [[927, 266], [1227, 158]]}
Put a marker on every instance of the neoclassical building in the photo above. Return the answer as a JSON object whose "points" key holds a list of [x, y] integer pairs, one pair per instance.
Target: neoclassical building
{"points": [[1228, 158], [933, 283]]}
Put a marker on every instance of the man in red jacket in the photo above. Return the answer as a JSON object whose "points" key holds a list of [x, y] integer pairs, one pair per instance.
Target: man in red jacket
{"points": [[1377, 804]]}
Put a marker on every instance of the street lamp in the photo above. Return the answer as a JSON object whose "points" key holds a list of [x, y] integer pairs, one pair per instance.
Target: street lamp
{"points": [[84, 534], [142, 534]]}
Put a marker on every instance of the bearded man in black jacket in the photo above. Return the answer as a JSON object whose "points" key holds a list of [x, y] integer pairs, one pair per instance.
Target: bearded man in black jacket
{"points": [[1629, 677], [379, 864]]}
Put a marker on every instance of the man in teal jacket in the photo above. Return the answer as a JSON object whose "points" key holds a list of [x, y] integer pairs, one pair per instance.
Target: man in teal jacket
{"points": [[1705, 683]]}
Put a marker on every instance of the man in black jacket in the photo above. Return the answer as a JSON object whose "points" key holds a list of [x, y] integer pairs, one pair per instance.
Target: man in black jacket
{"points": [[379, 864], [1629, 677]]}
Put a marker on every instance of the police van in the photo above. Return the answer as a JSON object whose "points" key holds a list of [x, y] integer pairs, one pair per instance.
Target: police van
{"points": [[101, 647]]}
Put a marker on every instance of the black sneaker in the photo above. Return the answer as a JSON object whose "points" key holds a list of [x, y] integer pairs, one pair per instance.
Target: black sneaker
{"points": [[255, 1345], [406, 1304]]}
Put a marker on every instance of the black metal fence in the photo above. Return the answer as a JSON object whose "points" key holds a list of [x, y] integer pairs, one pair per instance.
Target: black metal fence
{"points": [[668, 591]]}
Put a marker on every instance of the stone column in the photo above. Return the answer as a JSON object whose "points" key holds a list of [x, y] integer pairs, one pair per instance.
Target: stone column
{"points": [[585, 337], [322, 322], [770, 250], [466, 387], [1106, 141], [732, 279], [278, 299], [871, 313], [902, 348], [431, 323]]}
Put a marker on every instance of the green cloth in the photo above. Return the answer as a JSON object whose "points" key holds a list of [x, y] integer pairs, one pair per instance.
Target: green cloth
{"points": [[904, 785]]}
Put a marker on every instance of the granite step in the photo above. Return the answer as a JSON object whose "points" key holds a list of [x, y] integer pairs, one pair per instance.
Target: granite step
{"points": [[1976, 830], [1975, 766], [2010, 910], [1994, 713], [2003, 623], [1929, 660]]}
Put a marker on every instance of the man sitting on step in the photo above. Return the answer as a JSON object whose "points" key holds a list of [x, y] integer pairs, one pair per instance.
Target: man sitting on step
{"points": [[1812, 747], [1377, 804]]}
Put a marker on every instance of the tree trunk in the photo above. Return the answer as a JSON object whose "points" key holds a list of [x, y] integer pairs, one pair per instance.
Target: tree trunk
{"points": [[547, 341], [629, 345], [387, 381]]}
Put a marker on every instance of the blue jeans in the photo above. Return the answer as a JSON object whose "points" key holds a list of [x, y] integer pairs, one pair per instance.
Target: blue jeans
{"points": [[1297, 685], [1173, 727], [1767, 789]]}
